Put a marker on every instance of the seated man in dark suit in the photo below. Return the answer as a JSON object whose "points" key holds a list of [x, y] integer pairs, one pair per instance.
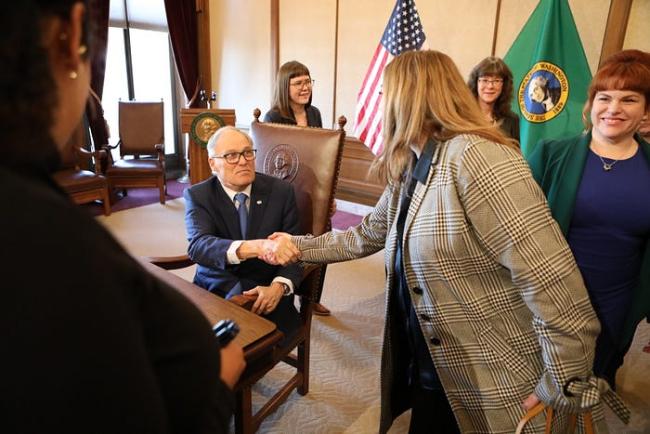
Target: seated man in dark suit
{"points": [[228, 218]]}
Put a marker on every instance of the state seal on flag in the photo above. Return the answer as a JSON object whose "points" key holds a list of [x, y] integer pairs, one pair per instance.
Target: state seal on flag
{"points": [[543, 92]]}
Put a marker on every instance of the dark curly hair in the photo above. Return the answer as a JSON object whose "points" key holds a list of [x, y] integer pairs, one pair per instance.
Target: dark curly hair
{"points": [[494, 66], [27, 88]]}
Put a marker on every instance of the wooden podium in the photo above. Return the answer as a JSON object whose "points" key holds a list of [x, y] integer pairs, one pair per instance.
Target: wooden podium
{"points": [[198, 155]]}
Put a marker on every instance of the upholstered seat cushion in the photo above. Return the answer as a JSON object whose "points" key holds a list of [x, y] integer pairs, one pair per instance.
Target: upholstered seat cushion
{"points": [[74, 181], [134, 168]]}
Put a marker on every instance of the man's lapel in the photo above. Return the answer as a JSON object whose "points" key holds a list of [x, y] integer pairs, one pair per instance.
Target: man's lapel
{"points": [[227, 211], [258, 202]]}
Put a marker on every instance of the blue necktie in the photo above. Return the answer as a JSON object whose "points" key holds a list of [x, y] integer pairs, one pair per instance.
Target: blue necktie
{"points": [[243, 213]]}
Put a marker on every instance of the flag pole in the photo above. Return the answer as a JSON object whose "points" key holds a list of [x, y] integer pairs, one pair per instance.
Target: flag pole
{"points": [[496, 27]]}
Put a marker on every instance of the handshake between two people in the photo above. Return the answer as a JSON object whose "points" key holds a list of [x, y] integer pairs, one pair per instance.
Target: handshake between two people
{"points": [[277, 249]]}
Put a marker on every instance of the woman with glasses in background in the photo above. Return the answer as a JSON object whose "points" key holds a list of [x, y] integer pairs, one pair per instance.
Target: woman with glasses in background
{"points": [[292, 105], [292, 98], [491, 84]]}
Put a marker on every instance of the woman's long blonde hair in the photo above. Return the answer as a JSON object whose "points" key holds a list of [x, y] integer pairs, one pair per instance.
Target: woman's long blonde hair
{"points": [[425, 96]]}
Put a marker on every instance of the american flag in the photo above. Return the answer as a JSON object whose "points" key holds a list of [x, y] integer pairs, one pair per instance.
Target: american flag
{"points": [[403, 33]]}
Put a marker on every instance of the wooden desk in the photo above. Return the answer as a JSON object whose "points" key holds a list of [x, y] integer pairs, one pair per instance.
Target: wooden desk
{"points": [[257, 335], [354, 184]]}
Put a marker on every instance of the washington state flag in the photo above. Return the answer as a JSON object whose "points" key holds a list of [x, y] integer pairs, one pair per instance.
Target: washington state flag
{"points": [[550, 75]]}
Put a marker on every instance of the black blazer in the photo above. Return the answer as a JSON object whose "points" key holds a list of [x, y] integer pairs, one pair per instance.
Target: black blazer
{"points": [[313, 117], [88, 334]]}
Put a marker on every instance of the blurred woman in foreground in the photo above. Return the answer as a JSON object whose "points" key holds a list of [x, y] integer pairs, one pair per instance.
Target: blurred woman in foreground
{"points": [[91, 342]]}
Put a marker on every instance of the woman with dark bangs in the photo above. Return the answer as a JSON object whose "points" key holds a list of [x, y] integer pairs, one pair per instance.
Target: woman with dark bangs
{"points": [[597, 188], [491, 83], [292, 97]]}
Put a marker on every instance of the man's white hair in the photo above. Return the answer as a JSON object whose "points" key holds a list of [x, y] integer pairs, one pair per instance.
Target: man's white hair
{"points": [[212, 142]]}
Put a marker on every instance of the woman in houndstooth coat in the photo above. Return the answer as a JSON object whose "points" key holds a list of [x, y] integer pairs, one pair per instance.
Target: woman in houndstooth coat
{"points": [[479, 276]]}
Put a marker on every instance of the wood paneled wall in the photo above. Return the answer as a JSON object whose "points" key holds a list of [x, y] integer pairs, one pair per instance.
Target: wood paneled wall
{"points": [[336, 39]]}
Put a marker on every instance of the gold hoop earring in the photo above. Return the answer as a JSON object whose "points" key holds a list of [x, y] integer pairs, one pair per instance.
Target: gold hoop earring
{"points": [[73, 75], [82, 50]]}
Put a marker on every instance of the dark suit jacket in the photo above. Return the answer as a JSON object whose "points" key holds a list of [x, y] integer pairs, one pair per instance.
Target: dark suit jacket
{"points": [[212, 225], [313, 117]]}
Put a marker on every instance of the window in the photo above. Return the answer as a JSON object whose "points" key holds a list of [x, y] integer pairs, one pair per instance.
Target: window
{"points": [[139, 64]]}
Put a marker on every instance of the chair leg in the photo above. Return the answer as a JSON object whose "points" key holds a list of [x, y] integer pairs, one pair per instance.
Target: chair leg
{"points": [[303, 366], [161, 187], [244, 411], [107, 202]]}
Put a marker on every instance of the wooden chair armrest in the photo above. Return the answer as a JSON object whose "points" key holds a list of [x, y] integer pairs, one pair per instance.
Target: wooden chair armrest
{"points": [[82, 155], [107, 148], [100, 157], [170, 262], [160, 151]]}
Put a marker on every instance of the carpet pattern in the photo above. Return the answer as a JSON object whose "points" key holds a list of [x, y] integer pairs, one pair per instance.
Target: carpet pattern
{"points": [[344, 380]]}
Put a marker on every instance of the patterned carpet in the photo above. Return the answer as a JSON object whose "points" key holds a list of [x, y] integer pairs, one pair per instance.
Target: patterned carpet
{"points": [[344, 380]]}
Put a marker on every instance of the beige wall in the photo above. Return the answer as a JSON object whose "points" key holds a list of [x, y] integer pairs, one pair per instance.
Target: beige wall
{"points": [[461, 28], [241, 59], [638, 34], [307, 34]]}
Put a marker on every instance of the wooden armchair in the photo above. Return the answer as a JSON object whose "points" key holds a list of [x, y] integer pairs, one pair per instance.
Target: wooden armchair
{"points": [[82, 185], [308, 158], [142, 135]]}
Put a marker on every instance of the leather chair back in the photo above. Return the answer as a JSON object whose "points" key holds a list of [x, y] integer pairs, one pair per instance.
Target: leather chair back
{"points": [[141, 127], [308, 158]]}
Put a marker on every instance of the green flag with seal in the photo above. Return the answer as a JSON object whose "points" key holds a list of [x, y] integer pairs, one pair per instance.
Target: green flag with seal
{"points": [[550, 75]]}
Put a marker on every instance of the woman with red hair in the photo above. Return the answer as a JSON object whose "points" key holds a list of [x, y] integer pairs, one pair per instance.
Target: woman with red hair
{"points": [[596, 186]]}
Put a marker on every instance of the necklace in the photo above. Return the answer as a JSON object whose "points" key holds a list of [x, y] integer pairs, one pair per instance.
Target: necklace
{"points": [[607, 166]]}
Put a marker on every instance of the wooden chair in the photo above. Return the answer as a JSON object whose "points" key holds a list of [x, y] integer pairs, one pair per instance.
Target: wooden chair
{"points": [[142, 136], [308, 158], [83, 185]]}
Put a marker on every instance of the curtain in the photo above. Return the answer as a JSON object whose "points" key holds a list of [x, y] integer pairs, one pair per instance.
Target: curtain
{"points": [[94, 110], [183, 31]]}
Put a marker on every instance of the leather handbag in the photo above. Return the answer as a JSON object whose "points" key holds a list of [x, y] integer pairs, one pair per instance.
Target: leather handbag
{"points": [[586, 416]]}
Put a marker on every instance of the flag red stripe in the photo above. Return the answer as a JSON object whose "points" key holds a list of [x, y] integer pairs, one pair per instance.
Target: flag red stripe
{"points": [[368, 92]]}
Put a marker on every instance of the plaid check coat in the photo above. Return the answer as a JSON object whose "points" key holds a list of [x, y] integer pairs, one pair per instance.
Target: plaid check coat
{"points": [[498, 295]]}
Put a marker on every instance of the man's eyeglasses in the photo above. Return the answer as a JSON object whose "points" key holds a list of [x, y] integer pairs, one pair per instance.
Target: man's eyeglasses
{"points": [[492, 81], [300, 84], [233, 157]]}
